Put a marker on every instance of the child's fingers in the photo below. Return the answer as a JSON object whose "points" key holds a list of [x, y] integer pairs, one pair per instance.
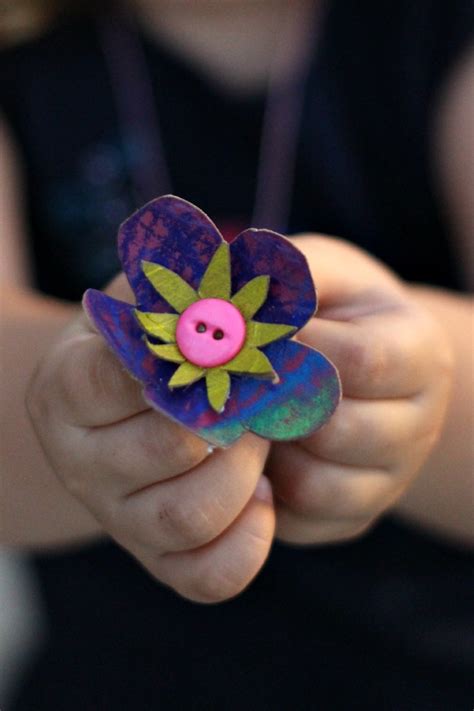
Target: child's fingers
{"points": [[345, 275], [140, 451], [224, 567], [369, 433], [83, 384], [104, 464], [292, 528], [385, 356], [191, 510], [318, 489], [395, 369]]}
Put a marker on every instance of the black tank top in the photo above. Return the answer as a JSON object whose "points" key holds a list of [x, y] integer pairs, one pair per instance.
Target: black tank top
{"points": [[382, 623]]}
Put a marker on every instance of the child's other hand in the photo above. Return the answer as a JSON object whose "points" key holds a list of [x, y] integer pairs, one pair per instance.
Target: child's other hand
{"points": [[201, 524], [395, 367]]}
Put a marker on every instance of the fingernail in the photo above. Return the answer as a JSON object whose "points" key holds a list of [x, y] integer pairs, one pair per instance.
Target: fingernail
{"points": [[263, 490]]}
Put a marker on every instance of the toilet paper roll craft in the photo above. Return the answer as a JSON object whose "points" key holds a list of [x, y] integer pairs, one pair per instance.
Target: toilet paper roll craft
{"points": [[210, 334]]}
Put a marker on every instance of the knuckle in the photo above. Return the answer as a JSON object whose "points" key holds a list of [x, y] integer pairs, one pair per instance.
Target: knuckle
{"points": [[346, 429], [332, 497], [188, 525], [73, 467], [166, 444], [409, 343], [89, 375], [303, 497], [340, 431], [375, 361], [298, 493], [187, 450], [101, 375], [152, 441], [149, 446], [368, 360], [314, 494], [72, 382], [390, 443], [69, 378], [359, 501]]}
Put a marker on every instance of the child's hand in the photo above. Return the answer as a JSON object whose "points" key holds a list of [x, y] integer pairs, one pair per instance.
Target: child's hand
{"points": [[201, 524], [204, 524], [395, 367]]}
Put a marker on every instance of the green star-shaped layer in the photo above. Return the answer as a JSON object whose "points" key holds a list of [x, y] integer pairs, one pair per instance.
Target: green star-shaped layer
{"points": [[216, 284]]}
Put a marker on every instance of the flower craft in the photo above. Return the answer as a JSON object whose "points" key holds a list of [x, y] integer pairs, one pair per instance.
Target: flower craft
{"points": [[209, 334]]}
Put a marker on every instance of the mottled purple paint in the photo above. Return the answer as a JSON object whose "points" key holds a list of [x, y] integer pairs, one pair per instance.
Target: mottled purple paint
{"points": [[171, 232], [174, 233], [292, 297]]}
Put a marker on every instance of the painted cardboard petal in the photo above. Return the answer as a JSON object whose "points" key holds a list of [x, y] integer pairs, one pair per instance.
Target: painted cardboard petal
{"points": [[117, 323], [292, 297], [171, 232], [303, 400]]}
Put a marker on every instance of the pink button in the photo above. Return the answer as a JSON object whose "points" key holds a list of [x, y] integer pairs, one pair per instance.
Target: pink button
{"points": [[210, 332]]}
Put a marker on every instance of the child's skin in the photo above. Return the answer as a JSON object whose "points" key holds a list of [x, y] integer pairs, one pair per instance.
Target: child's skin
{"points": [[204, 524]]}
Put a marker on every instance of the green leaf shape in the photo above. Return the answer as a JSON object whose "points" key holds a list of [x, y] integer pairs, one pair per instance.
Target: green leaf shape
{"points": [[250, 360], [167, 351], [218, 388], [261, 334], [159, 325], [170, 286], [186, 374], [251, 296], [215, 283]]}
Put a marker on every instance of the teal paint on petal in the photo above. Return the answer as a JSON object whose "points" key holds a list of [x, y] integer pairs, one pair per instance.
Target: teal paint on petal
{"points": [[295, 418]]}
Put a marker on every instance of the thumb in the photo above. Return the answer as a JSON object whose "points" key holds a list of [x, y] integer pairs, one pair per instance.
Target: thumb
{"points": [[87, 382], [347, 278]]}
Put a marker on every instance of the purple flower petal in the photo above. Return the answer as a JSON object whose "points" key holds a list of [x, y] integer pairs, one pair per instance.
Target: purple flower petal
{"points": [[116, 322], [171, 232], [292, 297], [305, 398]]}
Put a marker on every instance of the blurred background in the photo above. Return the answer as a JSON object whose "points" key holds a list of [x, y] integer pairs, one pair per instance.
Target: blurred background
{"points": [[21, 621]]}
